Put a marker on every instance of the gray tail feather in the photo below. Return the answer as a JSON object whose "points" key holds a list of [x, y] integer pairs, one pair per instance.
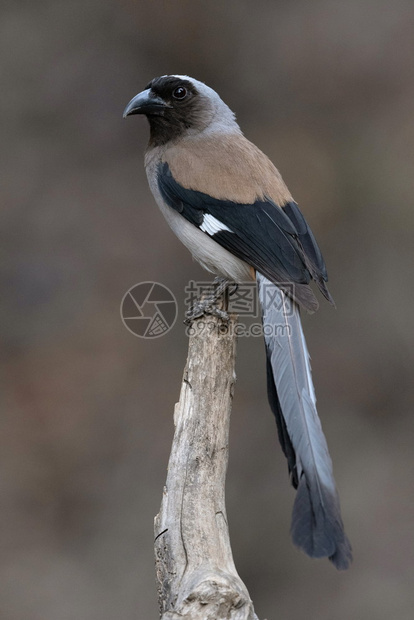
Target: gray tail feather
{"points": [[317, 526]]}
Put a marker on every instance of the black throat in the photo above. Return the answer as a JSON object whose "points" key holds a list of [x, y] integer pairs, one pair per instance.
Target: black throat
{"points": [[163, 130]]}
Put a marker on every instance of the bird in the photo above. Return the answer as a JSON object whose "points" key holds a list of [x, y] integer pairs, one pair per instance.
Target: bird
{"points": [[228, 204]]}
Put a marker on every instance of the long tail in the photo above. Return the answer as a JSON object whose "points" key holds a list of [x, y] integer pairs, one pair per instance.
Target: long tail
{"points": [[317, 526]]}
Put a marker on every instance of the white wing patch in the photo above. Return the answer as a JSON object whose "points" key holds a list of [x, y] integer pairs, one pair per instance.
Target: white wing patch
{"points": [[211, 225]]}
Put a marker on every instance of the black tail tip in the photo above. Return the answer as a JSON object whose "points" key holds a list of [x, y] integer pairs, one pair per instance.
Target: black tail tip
{"points": [[342, 557]]}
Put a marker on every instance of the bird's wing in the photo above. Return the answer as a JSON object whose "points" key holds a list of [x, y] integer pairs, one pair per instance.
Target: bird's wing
{"points": [[276, 241], [311, 251]]}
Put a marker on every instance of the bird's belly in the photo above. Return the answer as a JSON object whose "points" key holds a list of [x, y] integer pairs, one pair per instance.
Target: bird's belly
{"points": [[208, 252]]}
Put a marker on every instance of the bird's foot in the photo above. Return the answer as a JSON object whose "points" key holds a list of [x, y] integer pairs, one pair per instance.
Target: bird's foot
{"points": [[203, 307], [209, 304]]}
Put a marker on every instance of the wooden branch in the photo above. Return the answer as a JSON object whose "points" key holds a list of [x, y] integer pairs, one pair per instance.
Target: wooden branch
{"points": [[196, 576]]}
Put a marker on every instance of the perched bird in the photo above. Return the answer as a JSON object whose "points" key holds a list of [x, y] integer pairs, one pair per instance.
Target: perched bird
{"points": [[228, 204]]}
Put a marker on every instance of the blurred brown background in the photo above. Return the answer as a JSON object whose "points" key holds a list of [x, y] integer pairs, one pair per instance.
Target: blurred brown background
{"points": [[326, 89]]}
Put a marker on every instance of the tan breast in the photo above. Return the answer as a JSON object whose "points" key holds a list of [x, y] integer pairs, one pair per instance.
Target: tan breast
{"points": [[228, 167]]}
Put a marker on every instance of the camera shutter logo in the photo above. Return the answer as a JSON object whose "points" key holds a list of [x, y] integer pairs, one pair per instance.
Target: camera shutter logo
{"points": [[149, 310]]}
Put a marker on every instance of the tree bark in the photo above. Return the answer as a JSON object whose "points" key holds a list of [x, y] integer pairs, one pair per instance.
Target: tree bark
{"points": [[196, 575]]}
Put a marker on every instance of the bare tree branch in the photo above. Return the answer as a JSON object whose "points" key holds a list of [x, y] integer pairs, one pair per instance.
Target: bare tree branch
{"points": [[196, 575]]}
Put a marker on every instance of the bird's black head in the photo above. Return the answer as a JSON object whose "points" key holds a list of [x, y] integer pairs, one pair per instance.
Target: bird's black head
{"points": [[173, 105], [178, 105]]}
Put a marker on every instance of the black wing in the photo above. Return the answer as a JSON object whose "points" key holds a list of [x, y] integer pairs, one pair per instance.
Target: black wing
{"points": [[277, 242], [315, 262]]}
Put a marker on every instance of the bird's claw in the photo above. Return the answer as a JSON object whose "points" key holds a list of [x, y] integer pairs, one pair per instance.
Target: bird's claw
{"points": [[208, 304], [204, 307]]}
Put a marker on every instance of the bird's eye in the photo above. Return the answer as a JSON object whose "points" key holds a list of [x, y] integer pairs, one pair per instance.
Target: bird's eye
{"points": [[180, 92]]}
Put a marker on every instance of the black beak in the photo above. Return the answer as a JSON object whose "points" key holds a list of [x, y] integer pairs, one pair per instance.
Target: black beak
{"points": [[145, 103]]}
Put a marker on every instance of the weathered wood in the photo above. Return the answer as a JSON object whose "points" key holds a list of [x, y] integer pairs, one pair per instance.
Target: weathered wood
{"points": [[196, 575]]}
